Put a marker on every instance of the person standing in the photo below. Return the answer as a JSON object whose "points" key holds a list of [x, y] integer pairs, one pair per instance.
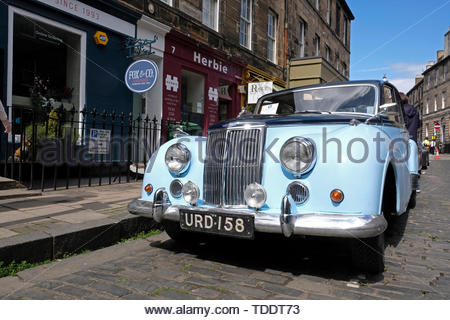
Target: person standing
{"points": [[4, 118], [412, 119]]}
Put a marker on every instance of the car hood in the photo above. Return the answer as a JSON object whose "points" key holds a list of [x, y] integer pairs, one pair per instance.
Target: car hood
{"points": [[277, 120]]}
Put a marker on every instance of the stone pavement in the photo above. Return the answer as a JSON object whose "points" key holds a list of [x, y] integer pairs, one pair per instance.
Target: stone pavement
{"points": [[417, 264], [41, 218]]}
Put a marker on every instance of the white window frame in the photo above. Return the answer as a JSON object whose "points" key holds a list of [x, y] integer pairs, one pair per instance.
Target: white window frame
{"points": [[247, 22], [428, 107], [435, 103], [168, 2], [301, 38], [210, 14], [316, 45], [443, 99], [329, 12], [272, 36], [327, 53], [318, 4]]}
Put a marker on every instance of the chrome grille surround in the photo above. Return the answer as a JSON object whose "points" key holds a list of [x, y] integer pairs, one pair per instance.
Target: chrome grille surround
{"points": [[298, 191], [234, 158]]}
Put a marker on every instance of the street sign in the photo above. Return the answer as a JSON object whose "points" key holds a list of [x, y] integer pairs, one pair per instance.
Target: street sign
{"points": [[437, 126], [141, 75], [99, 140]]}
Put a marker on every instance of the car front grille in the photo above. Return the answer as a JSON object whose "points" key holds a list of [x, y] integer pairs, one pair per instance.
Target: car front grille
{"points": [[233, 161]]}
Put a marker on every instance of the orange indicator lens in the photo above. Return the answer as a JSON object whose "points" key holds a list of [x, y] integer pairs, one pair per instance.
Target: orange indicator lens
{"points": [[337, 195]]}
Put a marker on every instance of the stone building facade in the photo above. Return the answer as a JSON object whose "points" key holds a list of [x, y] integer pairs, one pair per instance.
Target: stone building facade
{"points": [[435, 98], [256, 41]]}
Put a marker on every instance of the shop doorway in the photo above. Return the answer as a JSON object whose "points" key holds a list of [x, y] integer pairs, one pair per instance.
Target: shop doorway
{"points": [[193, 101], [225, 101]]}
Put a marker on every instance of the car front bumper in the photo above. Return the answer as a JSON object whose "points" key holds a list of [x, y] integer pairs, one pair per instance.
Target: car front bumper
{"points": [[312, 224]]}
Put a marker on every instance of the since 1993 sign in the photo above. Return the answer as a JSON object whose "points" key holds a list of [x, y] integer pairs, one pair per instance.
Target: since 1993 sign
{"points": [[141, 76]]}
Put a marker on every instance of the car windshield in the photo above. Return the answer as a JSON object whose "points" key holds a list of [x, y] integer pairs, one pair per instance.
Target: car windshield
{"points": [[347, 98]]}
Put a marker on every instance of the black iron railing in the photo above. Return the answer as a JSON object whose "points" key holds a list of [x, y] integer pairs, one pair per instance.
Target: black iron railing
{"points": [[63, 147]]}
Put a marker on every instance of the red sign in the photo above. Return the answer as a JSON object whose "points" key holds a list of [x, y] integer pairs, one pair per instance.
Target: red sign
{"points": [[437, 126]]}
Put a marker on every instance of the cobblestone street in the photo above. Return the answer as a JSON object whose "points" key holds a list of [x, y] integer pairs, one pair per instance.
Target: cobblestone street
{"points": [[417, 264]]}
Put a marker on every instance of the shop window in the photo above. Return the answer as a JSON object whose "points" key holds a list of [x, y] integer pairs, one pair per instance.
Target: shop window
{"points": [[211, 14], [301, 38], [272, 37], [245, 27], [46, 64], [193, 101]]}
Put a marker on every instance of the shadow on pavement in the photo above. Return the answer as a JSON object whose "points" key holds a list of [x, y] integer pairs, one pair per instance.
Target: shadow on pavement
{"points": [[320, 257], [396, 229]]}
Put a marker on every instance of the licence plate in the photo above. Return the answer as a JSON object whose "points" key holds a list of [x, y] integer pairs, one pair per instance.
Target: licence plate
{"points": [[234, 225]]}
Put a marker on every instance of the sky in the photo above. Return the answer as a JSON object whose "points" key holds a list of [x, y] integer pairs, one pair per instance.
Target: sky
{"points": [[396, 38]]}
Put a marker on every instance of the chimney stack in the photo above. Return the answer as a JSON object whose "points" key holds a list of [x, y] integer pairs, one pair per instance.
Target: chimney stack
{"points": [[418, 78], [439, 55], [429, 64], [447, 44]]}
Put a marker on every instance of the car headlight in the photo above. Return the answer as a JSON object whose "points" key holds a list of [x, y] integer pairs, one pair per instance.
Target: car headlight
{"points": [[177, 158], [297, 155]]}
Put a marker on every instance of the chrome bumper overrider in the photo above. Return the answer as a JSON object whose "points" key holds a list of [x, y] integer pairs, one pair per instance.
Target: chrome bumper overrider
{"points": [[328, 225]]}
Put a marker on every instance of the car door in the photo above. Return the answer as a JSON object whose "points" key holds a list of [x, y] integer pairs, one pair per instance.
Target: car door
{"points": [[398, 145]]}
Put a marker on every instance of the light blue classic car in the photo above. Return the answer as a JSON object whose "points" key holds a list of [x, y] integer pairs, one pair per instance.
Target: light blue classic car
{"points": [[331, 160]]}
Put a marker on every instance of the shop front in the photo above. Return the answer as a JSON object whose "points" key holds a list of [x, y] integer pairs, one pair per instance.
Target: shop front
{"points": [[67, 52], [200, 84]]}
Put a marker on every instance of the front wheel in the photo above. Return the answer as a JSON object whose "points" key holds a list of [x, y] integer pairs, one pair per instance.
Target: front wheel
{"points": [[368, 254]]}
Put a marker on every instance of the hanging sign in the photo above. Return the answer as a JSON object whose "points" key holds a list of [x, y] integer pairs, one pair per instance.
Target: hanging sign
{"points": [[141, 75], [257, 89]]}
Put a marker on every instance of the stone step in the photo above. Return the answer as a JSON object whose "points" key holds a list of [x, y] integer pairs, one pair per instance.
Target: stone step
{"points": [[18, 193], [6, 183]]}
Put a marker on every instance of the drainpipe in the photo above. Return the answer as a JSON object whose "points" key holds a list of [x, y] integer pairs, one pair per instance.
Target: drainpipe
{"points": [[286, 5]]}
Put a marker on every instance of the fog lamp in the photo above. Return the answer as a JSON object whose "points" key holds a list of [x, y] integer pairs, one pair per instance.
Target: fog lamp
{"points": [[337, 196], [176, 188], [191, 193], [255, 195]]}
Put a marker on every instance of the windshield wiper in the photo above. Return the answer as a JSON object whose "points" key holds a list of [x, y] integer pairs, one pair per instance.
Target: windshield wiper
{"points": [[312, 111]]}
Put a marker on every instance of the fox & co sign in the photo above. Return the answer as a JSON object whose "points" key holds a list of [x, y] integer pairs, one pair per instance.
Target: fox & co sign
{"points": [[141, 76]]}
